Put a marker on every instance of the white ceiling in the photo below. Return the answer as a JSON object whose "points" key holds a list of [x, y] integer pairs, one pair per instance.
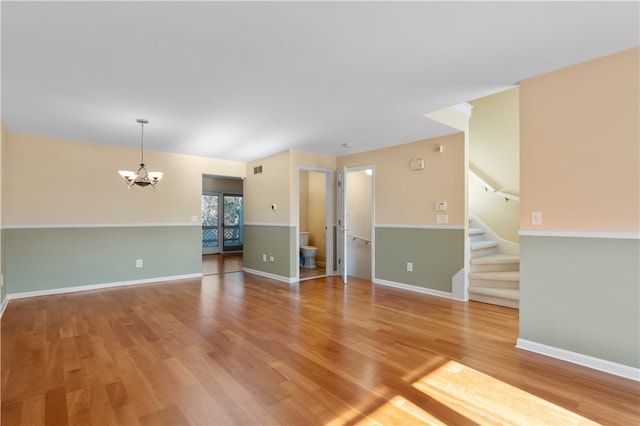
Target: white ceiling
{"points": [[243, 80]]}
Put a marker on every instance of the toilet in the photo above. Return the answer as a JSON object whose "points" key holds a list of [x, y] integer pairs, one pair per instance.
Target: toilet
{"points": [[307, 252]]}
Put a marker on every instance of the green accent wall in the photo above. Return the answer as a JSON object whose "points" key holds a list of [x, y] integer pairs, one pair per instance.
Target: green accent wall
{"points": [[437, 255], [50, 258], [582, 295], [3, 264], [276, 241]]}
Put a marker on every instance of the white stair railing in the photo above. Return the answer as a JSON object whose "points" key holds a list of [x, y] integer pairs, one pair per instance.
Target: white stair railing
{"points": [[507, 196]]}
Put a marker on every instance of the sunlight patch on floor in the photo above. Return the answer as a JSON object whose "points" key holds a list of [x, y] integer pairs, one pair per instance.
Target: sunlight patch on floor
{"points": [[485, 400], [399, 411]]}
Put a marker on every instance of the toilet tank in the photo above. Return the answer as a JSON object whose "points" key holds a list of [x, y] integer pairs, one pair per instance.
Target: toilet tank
{"points": [[303, 239]]}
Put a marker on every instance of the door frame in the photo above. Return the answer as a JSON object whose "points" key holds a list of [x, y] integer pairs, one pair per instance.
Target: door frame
{"points": [[328, 217]]}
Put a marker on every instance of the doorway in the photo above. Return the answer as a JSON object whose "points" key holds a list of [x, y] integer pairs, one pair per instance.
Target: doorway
{"points": [[355, 212], [359, 206], [222, 224], [315, 222]]}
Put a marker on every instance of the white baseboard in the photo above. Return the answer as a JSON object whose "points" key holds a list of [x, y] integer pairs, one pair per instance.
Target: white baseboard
{"points": [[268, 275], [415, 288], [580, 359], [62, 290]]}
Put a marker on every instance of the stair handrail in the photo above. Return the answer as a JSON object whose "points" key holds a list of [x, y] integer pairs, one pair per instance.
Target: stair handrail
{"points": [[355, 237], [507, 196]]}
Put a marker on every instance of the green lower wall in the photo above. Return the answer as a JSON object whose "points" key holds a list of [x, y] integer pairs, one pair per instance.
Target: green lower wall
{"points": [[437, 255], [582, 295], [3, 264], [276, 241], [50, 258]]}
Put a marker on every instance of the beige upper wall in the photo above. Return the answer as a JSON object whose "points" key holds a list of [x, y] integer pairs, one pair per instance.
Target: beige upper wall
{"points": [[61, 182], [406, 197], [317, 221], [4, 137], [494, 155], [226, 184], [303, 216], [494, 139], [579, 146], [269, 187], [306, 159], [277, 184], [359, 204]]}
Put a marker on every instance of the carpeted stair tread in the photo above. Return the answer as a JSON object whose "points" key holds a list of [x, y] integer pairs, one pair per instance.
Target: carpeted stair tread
{"points": [[505, 293], [495, 259], [476, 245], [496, 275]]}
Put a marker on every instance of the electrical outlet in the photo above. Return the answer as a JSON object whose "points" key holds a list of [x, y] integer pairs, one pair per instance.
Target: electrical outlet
{"points": [[409, 267], [138, 263], [1, 280], [264, 257], [272, 259], [442, 218], [194, 219]]}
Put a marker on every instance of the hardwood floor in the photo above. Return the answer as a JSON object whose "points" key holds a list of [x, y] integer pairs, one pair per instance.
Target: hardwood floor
{"points": [[221, 263], [241, 349]]}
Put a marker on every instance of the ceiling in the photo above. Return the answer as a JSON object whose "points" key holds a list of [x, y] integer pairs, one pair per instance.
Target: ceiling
{"points": [[244, 80]]}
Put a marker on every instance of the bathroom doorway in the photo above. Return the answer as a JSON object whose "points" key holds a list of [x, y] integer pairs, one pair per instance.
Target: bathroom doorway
{"points": [[315, 222]]}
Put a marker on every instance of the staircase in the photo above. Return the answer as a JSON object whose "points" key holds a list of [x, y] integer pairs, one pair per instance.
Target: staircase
{"points": [[494, 278]]}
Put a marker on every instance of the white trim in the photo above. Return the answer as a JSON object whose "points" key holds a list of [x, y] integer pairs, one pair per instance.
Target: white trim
{"points": [[423, 290], [62, 290], [459, 289], [457, 227], [289, 225], [580, 359], [99, 225], [5, 302], [271, 276], [464, 108], [580, 234]]}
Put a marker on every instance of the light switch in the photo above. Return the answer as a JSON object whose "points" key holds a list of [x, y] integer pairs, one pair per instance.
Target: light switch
{"points": [[536, 218]]}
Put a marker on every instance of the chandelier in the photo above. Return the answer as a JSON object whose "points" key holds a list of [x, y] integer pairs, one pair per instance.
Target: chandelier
{"points": [[141, 177]]}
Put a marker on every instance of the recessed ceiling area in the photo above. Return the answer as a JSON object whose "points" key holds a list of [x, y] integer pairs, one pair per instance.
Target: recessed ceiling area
{"points": [[244, 80]]}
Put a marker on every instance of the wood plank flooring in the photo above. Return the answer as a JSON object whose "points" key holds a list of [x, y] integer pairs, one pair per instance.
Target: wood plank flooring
{"points": [[221, 263], [240, 349]]}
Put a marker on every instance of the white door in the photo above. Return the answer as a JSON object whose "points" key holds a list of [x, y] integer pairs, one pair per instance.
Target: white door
{"points": [[342, 224]]}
